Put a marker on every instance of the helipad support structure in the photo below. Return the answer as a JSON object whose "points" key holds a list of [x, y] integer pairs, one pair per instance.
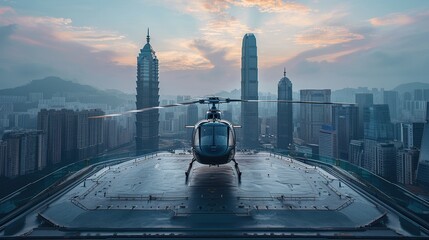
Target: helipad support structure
{"points": [[277, 196]]}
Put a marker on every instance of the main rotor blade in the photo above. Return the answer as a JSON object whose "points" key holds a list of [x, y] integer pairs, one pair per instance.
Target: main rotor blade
{"points": [[220, 100], [145, 109], [290, 101]]}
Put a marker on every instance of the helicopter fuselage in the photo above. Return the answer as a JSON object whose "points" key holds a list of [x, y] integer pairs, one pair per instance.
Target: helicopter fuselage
{"points": [[213, 142]]}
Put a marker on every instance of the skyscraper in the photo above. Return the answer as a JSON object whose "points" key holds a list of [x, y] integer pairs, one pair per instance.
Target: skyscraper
{"points": [[363, 100], [377, 129], [345, 122], [377, 124], [313, 116], [356, 152], [3, 157], [147, 123], [284, 114], [423, 166], [410, 134], [406, 164], [191, 119], [24, 151], [328, 142], [385, 163], [391, 98], [249, 91], [71, 135], [51, 123]]}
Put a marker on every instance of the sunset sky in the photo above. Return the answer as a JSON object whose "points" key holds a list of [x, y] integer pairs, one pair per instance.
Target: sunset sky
{"points": [[322, 43]]}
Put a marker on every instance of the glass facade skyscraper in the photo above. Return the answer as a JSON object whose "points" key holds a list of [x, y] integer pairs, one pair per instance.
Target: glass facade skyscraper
{"points": [[377, 125], [147, 124], [363, 100], [345, 123], [249, 91], [391, 98], [313, 116], [423, 166]]}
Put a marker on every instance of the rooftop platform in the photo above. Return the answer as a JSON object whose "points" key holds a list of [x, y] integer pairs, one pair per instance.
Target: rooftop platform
{"points": [[276, 195]]}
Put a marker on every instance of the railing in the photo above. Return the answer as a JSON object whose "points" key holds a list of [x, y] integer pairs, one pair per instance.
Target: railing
{"points": [[400, 196], [395, 193], [29, 192]]}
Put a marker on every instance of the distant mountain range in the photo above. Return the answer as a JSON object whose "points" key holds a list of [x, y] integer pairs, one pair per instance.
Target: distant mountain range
{"points": [[345, 94], [57, 87], [410, 87]]}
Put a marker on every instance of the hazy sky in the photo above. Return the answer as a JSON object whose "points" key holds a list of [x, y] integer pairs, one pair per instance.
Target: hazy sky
{"points": [[322, 43]]}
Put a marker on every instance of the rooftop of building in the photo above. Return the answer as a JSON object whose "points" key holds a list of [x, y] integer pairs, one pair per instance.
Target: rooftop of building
{"points": [[276, 195]]}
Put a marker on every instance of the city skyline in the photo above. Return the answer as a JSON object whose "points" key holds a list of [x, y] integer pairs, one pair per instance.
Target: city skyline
{"points": [[367, 44]]}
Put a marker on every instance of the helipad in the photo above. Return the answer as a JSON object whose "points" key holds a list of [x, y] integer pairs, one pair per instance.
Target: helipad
{"points": [[273, 192], [276, 195]]}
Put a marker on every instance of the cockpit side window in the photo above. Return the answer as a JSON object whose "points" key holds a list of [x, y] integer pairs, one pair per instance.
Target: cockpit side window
{"points": [[197, 137], [230, 138]]}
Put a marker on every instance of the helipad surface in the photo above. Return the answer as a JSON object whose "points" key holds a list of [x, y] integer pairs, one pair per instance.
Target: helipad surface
{"points": [[153, 193]]}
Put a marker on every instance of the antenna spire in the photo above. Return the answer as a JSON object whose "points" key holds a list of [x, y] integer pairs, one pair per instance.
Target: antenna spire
{"points": [[284, 72], [148, 37]]}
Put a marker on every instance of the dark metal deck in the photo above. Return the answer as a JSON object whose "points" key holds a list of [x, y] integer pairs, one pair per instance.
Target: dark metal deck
{"points": [[153, 193]]}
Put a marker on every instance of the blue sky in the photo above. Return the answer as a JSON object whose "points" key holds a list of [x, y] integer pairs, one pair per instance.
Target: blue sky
{"points": [[323, 44]]}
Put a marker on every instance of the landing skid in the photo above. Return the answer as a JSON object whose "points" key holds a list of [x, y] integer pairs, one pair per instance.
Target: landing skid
{"points": [[189, 169], [237, 169]]}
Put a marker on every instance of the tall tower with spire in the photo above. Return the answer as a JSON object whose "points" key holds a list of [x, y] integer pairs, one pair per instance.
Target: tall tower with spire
{"points": [[249, 91], [284, 113], [147, 123]]}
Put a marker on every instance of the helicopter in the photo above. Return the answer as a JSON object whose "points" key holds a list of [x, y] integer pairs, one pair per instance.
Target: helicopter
{"points": [[214, 139]]}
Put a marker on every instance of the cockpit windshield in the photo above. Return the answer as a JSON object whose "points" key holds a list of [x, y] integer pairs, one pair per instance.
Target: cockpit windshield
{"points": [[214, 135]]}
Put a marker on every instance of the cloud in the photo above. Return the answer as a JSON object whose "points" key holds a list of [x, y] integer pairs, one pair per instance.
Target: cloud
{"points": [[182, 61], [62, 29], [381, 59], [226, 32], [396, 19], [4, 10], [220, 6], [212, 6], [36, 47], [225, 26], [328, 35], [223, 74], [272, 5]]}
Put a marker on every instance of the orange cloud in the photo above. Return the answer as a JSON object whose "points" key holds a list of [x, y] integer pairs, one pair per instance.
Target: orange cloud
{"points": [[226, 26], [323, 36], [226, 32], [220, 6], [212, 6], [215, 6], [333, 57], [396, 19], [272, 5], [179, 60]]}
